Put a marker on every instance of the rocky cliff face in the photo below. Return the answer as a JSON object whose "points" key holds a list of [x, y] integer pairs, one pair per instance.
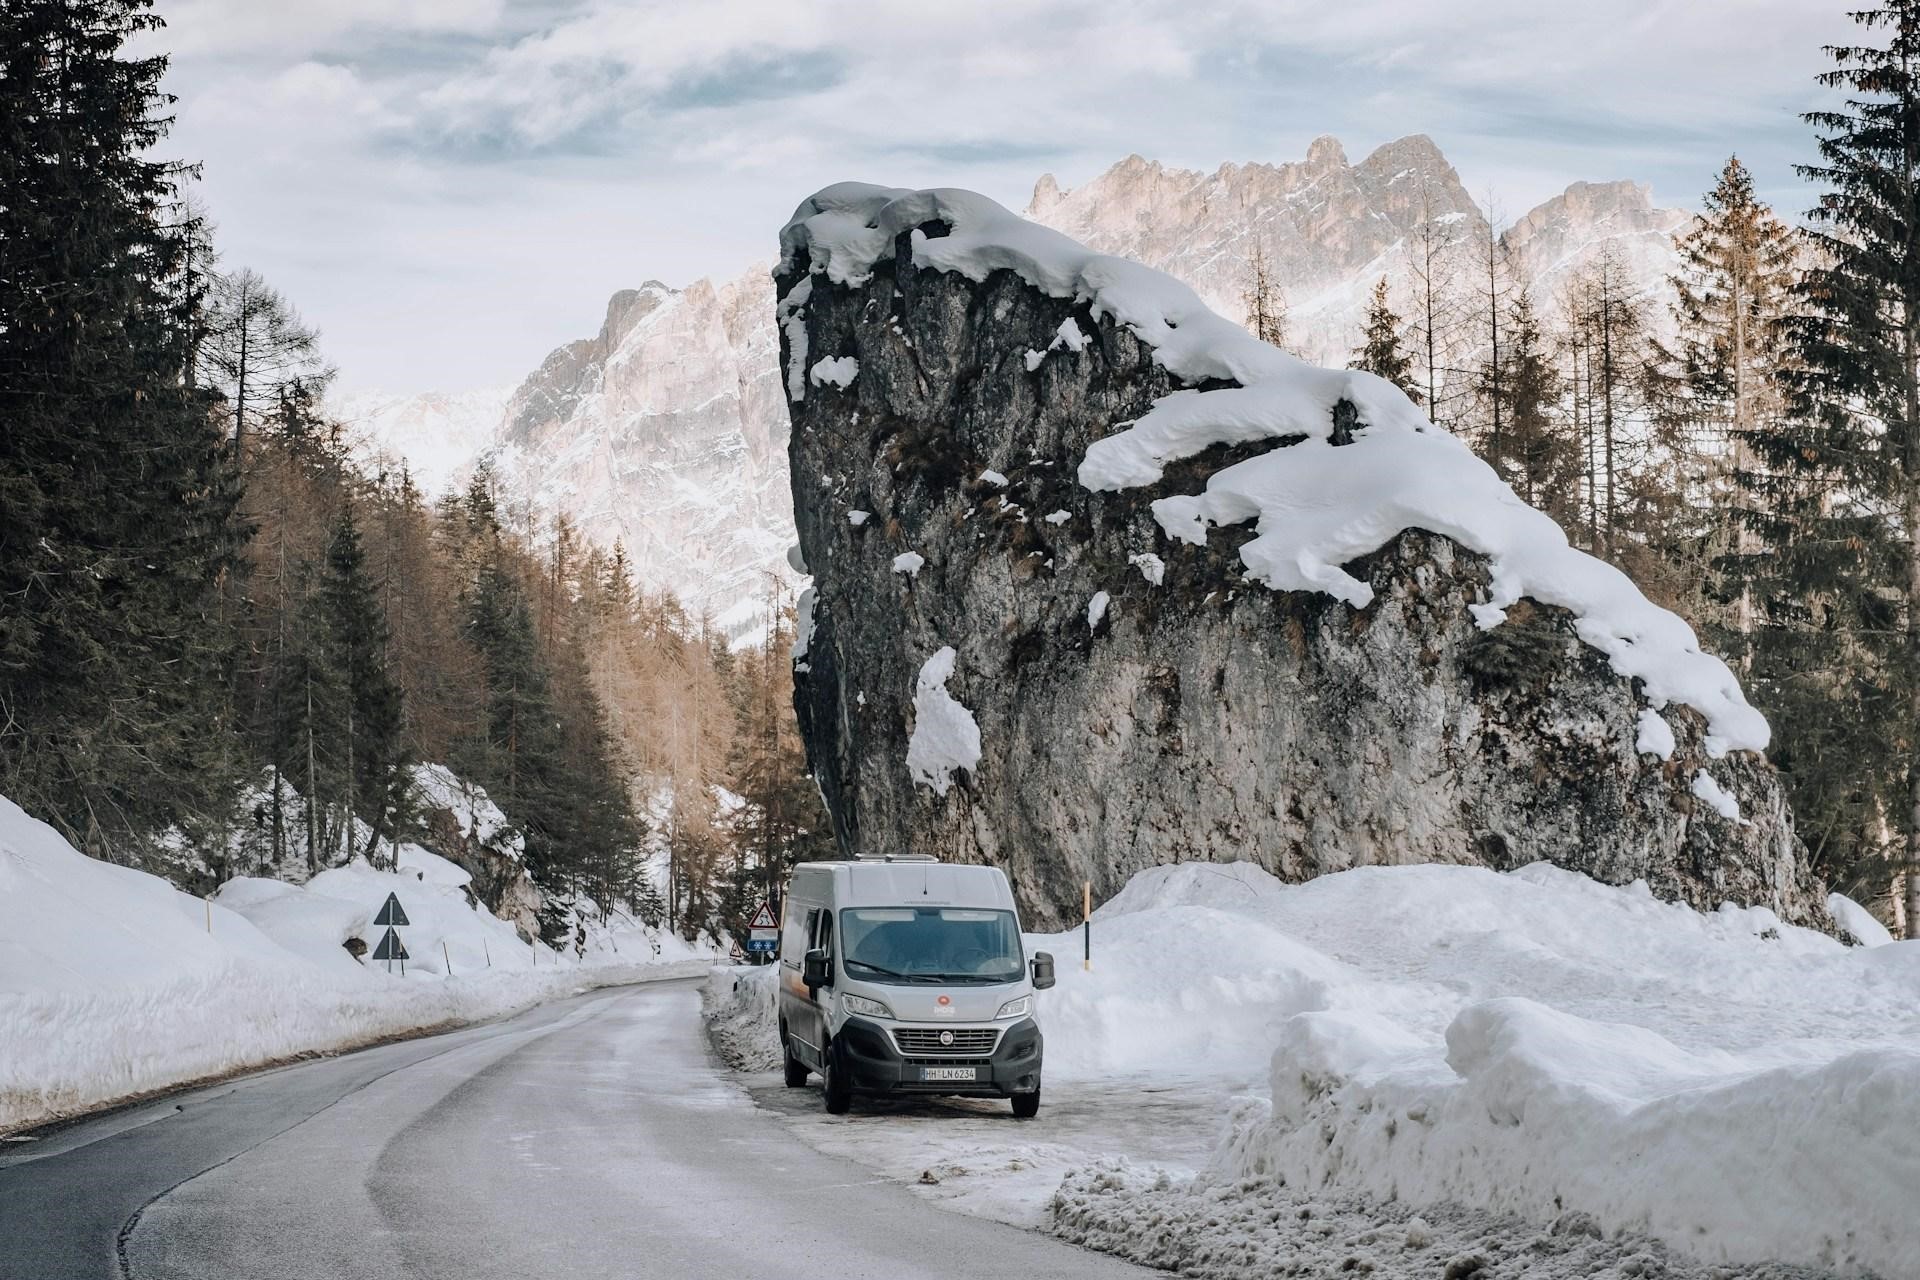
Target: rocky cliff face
{"points": [[1136, 699]]}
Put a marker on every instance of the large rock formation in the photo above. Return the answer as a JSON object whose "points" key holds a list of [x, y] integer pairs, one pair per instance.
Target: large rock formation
{"points": [[1140, 699], [666, 429]]}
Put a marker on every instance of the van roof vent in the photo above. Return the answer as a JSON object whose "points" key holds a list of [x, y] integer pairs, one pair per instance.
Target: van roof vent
{"points": [[894, 857]]}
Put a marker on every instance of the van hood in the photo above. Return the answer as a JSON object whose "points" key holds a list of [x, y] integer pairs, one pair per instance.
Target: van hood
{"points": [[965, 1002]]}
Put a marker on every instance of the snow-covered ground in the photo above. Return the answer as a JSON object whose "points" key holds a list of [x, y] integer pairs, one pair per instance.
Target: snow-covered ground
{"points": [[1416, 1066], [113, 983]]}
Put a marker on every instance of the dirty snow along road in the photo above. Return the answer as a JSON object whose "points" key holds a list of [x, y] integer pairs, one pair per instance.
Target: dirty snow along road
{"points": [[591, 1136]]}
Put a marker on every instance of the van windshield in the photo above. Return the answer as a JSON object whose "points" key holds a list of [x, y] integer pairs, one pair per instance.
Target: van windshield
{"points": [[930, 944]]}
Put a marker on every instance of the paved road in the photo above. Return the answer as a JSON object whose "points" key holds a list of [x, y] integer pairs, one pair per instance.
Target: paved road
{"points": [[590, 1137]]}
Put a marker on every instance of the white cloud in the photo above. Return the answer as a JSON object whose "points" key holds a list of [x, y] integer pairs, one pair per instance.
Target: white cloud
{"points": [[452, 187]]}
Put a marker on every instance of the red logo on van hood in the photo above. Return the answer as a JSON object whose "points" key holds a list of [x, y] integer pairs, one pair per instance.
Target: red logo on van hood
{"points": [[944, 1000]]}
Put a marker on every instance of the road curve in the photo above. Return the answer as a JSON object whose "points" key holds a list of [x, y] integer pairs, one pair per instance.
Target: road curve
{"points": [[593, 1136]]}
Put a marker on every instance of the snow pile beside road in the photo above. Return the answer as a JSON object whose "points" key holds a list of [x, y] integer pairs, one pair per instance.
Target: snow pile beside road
{"points": [[113, 983], [1530, 1045], [738, 1003]]}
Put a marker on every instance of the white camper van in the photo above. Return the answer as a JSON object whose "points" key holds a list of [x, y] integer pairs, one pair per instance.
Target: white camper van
{"points": [[907, 975]]}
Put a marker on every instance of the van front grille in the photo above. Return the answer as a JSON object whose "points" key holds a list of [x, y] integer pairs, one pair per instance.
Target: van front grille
{"points": [[925, 1042]]}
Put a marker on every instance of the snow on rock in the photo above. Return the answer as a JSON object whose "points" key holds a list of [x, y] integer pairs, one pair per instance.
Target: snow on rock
{"points": [[1035, 359], [1151, 566], [858, 518], [113, 983], [1057, 517], [945, 735], [1655, 735], [1858, 921], [797, 560], [478, 818], [1530, 1045], [993, 478], [802, 623], [835, 371], [1069, 336], [909, 563], [1097, 608], [1716, 796], [791, 315]]}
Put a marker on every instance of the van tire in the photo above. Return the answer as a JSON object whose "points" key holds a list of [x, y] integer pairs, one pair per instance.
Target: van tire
{"points": [[796, 1070], [836, 1087], [1026, 1105]]}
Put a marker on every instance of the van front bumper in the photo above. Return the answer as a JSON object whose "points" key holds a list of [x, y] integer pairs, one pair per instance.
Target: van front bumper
{"points": [[876, 1066]]}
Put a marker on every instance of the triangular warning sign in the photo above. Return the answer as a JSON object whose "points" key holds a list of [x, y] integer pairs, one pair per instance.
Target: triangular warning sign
{"points": [[763, 918], [391, 948], [392, 912]]}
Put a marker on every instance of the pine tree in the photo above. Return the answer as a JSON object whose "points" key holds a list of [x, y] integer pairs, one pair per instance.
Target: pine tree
{"points": [[376, 778], [1381, 353], [1264, 299], [1432, 262], [252, 348], [1838, 478], [117, 501], [1719, 382], [1538, 457]]}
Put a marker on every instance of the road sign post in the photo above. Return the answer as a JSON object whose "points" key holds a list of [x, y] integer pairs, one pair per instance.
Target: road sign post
{"points": [[763, 931], [391, 949]]}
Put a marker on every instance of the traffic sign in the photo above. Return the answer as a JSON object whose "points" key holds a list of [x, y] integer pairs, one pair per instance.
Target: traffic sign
{"points": [[763, 940], [391, 948], [391, 913], [763, 917]]}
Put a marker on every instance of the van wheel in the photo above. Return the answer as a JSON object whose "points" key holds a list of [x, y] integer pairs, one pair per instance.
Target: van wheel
{"points": [[796, 1070], [1026, 1105], [836, 1085]]}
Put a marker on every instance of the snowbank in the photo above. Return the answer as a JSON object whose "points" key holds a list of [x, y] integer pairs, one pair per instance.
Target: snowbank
{"points": [[1531, 1044], [113, 983], [1319, 504], [737, 1001]]}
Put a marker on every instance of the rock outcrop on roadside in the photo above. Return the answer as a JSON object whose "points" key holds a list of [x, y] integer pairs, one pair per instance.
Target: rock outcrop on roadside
{"points": [[1149, 662]]}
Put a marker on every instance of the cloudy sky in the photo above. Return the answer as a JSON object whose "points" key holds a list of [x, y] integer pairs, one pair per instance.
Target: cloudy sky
{"points": [[451, 188]]}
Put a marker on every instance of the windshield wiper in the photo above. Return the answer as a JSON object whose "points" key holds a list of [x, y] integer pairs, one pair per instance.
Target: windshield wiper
{"points": [[891, 973]]}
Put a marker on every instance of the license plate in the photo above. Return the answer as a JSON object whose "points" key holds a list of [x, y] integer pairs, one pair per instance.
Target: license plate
{"points": [[930, 1074]]}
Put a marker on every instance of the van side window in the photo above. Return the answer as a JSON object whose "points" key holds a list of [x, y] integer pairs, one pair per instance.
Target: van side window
{"points": [[796, 928]]}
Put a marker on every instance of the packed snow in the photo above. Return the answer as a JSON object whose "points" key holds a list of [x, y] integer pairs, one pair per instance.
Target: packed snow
{"points": [[909, 563], [1655, 735], [1857, 920], [1317, 505], [1561, 1077], [945, 734], [1097, 608], [835, 371], [114, 984]]}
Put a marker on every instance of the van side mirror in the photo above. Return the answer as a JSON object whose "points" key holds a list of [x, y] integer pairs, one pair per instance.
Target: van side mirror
{"points": [[815, 970], [1042, 970]]}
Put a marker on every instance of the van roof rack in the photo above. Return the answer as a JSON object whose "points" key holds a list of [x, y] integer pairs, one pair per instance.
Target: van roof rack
{"points": [[894, 857]]}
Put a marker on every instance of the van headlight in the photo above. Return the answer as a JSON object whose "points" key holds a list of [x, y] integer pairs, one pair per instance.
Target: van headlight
{"points": [[861, 1005], [1018, 1007]]}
